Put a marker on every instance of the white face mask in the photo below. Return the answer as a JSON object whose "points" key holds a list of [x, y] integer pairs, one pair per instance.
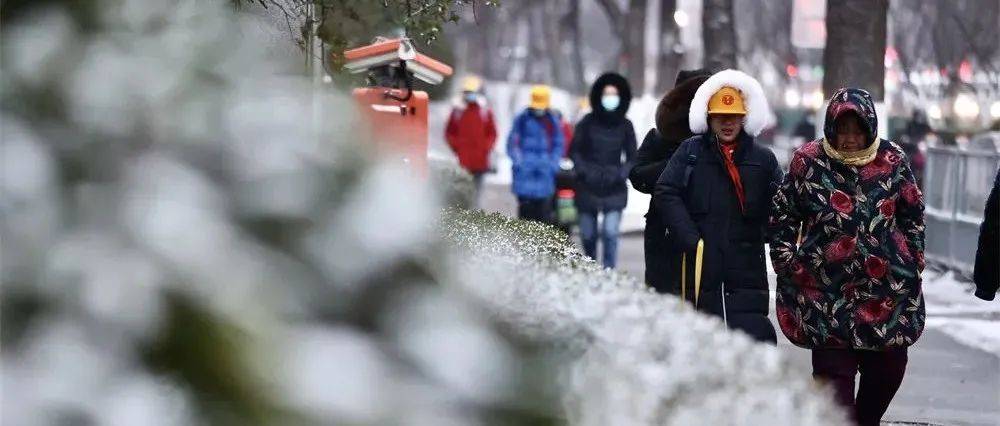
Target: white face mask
{"points": [[610, 102]]}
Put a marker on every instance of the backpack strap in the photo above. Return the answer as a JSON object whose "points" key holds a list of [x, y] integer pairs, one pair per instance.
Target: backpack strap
{"points": [[692, 160]]}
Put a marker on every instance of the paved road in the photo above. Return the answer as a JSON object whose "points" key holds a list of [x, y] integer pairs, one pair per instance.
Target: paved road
{"points": [[947, 383]]}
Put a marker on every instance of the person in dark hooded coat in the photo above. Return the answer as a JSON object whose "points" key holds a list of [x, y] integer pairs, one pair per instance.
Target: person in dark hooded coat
{"points": [[657, 148], [599, 141], [716, 194], [987, 272]]}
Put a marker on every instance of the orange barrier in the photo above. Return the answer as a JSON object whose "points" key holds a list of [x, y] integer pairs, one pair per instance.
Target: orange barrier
{"points": [[397, 116], [399, 128]]}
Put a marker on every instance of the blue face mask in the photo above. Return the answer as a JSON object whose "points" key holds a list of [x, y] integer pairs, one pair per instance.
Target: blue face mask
{"points": [[470, 97], [610, 102], [538, 112]]}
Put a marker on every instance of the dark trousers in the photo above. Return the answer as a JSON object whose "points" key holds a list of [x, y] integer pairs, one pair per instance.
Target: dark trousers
{"points": [[881, 374], [536, 209]]}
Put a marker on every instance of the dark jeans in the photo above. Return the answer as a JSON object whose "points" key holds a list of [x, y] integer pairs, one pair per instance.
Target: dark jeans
{"points": [[881, 374], [608, 233], [536, 209]]}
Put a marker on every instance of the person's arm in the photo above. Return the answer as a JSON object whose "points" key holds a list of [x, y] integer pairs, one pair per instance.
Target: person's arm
{"points": [[649, 163], [514, 142], [668, 197], [451, 130], [785, 221], [910, 214], [630, 150], [577, 152], [558, 140], [987, 270]]}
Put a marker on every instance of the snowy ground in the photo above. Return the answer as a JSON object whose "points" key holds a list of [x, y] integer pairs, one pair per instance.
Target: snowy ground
{"points": [[953, 309]]}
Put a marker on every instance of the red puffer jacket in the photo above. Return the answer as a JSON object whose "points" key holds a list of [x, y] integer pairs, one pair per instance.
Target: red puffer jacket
{"points": [[471, 134]]}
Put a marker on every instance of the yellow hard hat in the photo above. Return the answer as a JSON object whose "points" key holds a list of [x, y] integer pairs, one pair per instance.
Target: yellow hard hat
{"points": [[540, 95], [726, 101], [471, 84]]}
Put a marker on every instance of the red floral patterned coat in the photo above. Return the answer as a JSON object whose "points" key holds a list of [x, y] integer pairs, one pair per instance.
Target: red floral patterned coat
{"points": [[854, 279]]}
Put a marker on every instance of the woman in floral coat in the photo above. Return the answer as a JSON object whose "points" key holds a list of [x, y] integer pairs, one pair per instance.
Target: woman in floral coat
{"points": [[847, 243]]}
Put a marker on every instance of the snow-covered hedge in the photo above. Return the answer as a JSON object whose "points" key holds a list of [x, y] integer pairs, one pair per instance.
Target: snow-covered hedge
{"points": [[453, 183], [633, 357]]}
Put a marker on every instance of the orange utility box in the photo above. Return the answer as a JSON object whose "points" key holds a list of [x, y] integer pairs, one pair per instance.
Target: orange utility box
{"points": [[396, 114]]}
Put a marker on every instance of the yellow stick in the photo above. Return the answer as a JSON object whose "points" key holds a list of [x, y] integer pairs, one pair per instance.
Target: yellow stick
{"points": [[684, 258], [699, 254]]}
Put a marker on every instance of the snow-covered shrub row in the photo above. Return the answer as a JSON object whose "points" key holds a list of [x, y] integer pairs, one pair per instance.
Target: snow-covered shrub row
{"points": [[633, 357], [182, 243], [453, 183]]}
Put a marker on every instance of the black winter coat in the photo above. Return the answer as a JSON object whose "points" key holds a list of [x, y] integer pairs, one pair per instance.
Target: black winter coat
{"points": [[658, 146], [987, 273], [599, 141], [734, 275]]}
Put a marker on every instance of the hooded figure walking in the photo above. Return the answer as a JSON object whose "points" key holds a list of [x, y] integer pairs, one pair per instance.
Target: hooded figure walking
{"points": [[600, 140], [847, 243], [659, 145], [716, 193]]}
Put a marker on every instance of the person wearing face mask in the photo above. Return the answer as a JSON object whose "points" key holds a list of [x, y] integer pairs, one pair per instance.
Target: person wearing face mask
{"points": [[535, 145], [471, 132], [601, 139], [714, 197], [847, 244]]}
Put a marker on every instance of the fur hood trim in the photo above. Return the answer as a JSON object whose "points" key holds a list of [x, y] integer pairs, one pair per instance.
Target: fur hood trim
{"points": [[758, 115]]}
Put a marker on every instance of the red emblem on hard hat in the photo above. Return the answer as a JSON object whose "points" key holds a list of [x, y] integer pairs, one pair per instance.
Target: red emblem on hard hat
{"points": [[728, 99]]}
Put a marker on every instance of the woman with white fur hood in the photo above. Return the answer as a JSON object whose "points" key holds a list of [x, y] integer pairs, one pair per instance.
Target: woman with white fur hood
{"points": [[715, 197]]}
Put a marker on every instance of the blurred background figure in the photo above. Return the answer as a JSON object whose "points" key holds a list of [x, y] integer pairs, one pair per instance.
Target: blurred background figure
{"points": [[535, 146], [565, 216], [600, 141], [987, 272], [657, 147], [471, 132]]}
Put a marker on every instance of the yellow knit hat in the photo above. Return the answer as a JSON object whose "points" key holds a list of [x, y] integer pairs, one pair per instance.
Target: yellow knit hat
{"points": [[472, 84], [726, 101], [540, 95]]}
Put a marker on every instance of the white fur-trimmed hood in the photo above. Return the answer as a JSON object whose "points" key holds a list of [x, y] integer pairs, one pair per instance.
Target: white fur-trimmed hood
{"points": [[758, 115]]}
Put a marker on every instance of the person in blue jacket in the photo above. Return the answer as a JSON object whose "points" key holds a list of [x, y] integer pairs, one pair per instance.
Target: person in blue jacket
{"points": [[535, 145]]}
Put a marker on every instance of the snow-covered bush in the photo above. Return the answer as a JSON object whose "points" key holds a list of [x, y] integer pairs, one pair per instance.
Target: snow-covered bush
{"points": [[632, 356], [453, 183], [184, 244]]}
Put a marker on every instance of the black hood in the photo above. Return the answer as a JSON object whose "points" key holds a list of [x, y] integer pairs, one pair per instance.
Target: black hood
{"points": [[847, 101], [672, 112], [624, 92]]}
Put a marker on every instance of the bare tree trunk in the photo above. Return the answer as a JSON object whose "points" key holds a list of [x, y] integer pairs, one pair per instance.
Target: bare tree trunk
{"points": [[575, 40], [486, 30], [668, 60], [634, 46], [855, 46], [538, 61], [553, 47], [718, 34]]}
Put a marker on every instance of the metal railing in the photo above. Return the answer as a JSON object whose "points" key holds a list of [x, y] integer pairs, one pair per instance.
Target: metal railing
{"points": [[956, 185]]}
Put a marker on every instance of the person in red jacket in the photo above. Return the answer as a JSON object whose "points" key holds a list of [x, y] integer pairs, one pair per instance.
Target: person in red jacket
{"points": [[471, 133]]}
